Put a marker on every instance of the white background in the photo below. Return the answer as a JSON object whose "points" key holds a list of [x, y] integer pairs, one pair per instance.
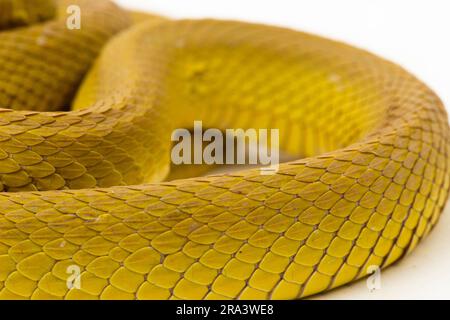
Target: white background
{"points": [[412, 33]]}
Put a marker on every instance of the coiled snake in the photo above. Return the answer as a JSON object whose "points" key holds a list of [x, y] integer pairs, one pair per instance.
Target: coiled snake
{"points": [[72, 182]]}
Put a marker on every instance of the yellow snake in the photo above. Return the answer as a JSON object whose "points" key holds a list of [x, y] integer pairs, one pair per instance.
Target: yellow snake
{"points": [[86, 188]]}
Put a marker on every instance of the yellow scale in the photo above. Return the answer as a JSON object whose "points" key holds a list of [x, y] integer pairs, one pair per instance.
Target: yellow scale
{"points": [[74, 198]]}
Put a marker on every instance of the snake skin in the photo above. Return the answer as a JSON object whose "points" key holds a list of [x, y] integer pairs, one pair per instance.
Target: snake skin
{"points": [[85, 188]]}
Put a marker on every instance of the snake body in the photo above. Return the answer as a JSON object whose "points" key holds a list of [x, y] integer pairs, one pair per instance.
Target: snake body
{"points": [[86, 187]]}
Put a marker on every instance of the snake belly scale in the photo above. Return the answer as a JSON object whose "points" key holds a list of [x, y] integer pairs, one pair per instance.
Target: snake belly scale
{"points": [[87, 187]]}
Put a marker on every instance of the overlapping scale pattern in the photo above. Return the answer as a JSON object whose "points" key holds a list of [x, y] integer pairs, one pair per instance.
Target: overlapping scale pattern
{"points": [[17, 13], [316, 224]]}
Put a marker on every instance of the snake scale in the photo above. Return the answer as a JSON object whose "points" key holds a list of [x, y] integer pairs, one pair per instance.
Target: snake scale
{"points": [[88, 187]]}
